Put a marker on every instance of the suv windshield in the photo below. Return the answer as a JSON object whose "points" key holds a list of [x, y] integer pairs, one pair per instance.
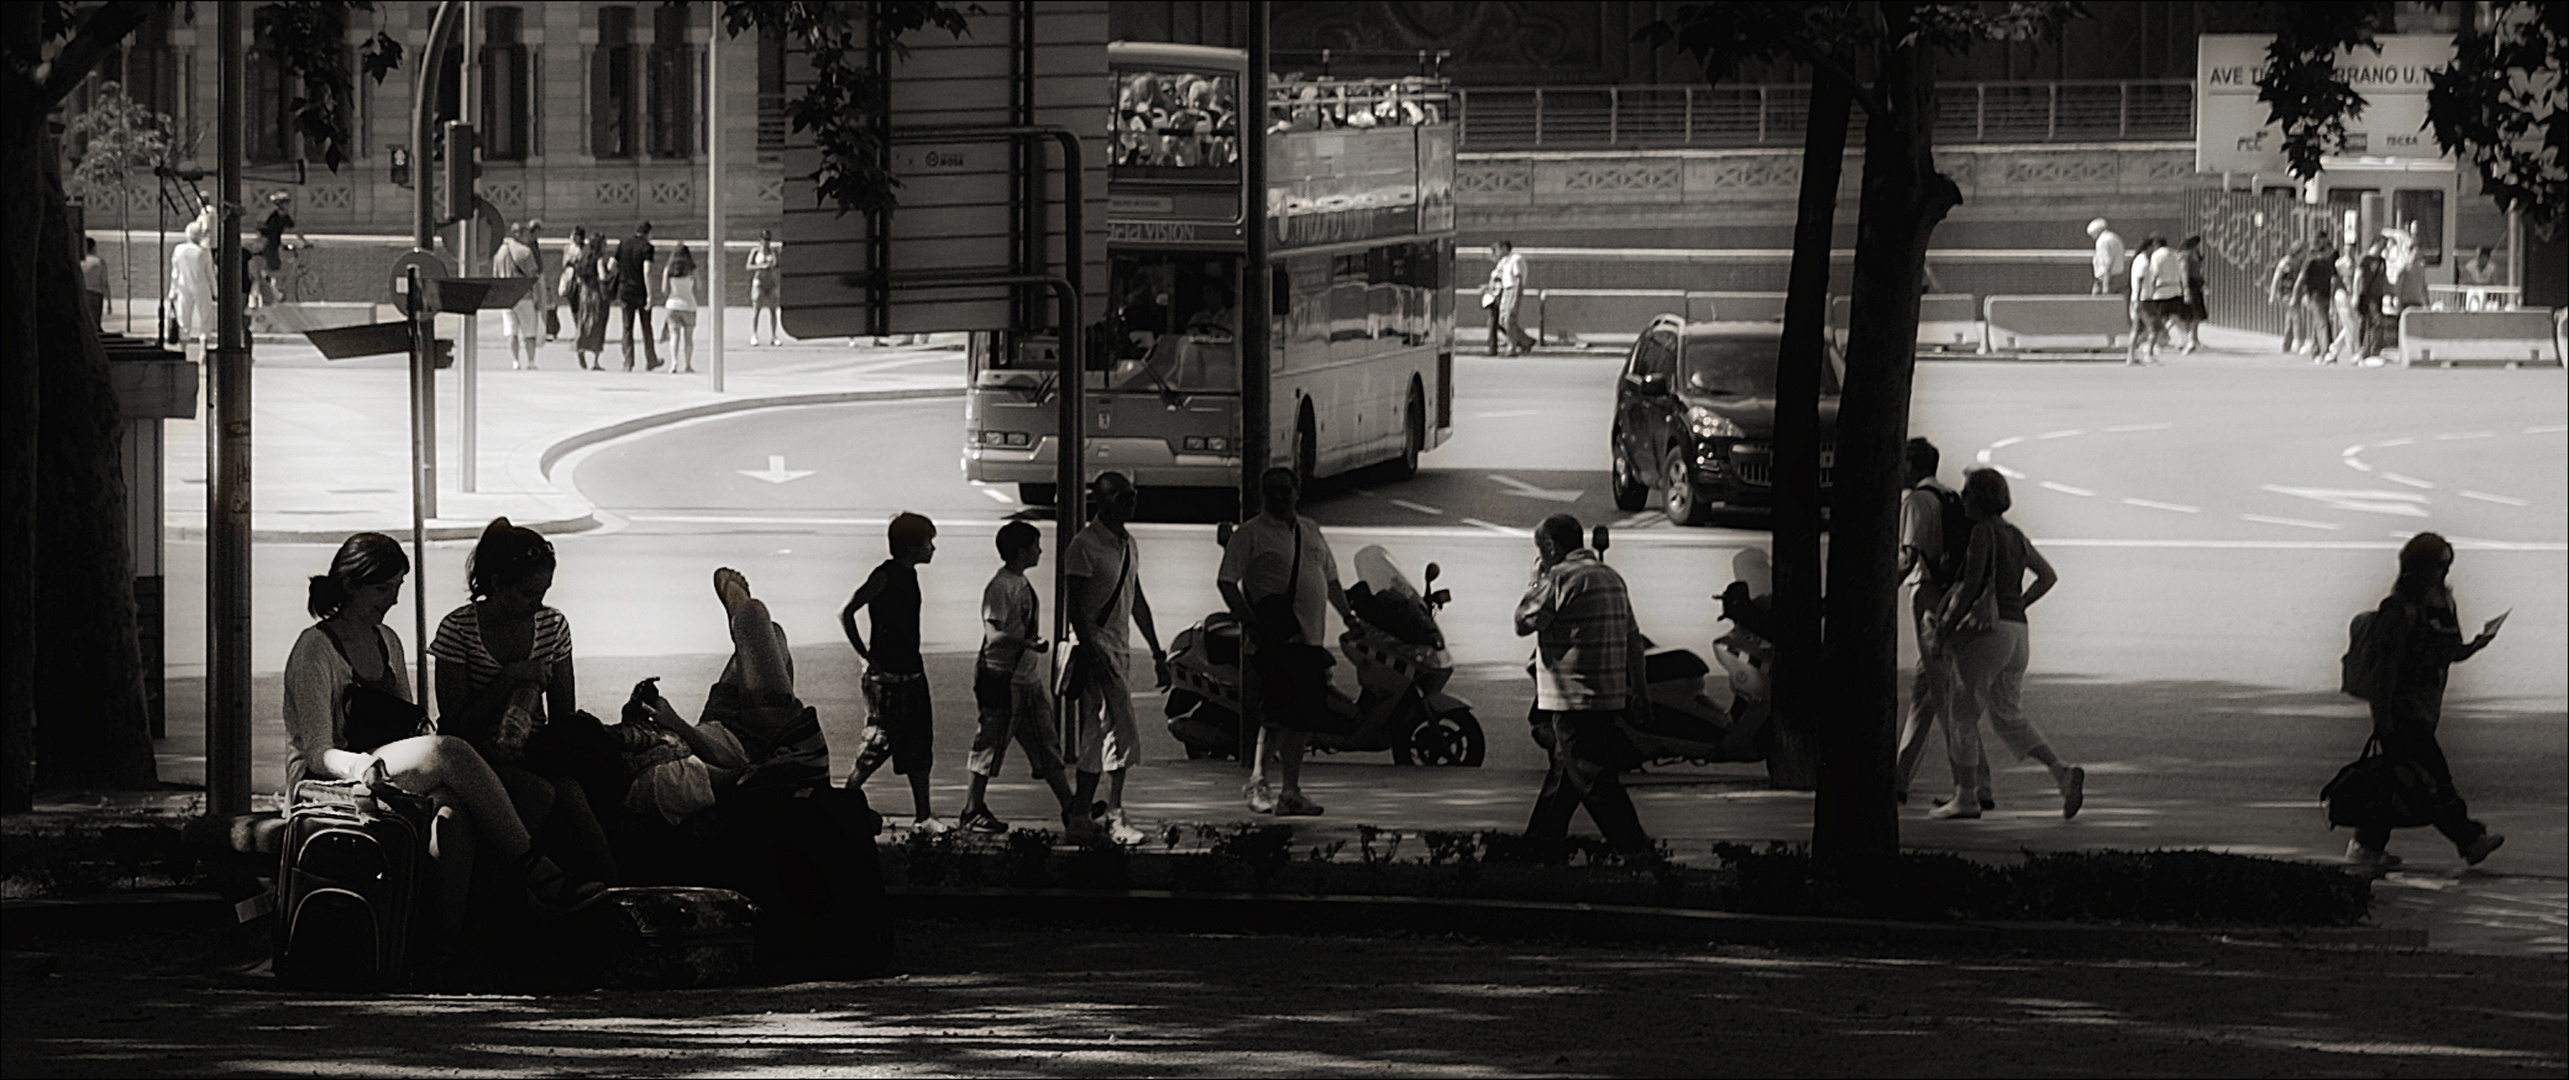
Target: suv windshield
{"points": [[1744, 367]]}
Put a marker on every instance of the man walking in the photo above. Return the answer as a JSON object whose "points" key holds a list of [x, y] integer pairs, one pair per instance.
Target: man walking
{"points": [[633, 260], [1506, 286], [1276, 573], [516, 259], [1588, 652], [1934, 532], [1105, 601], [2110, 257]]}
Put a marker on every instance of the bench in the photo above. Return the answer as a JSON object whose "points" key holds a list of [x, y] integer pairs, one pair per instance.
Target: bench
{"points": [[2446, 338], [2077, 322]]}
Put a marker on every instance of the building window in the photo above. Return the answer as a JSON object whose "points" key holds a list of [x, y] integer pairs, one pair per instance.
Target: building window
{"points": [[771, 93], [508, 101], [611, 86], [148, 67], [673, 82], [271, 135]]}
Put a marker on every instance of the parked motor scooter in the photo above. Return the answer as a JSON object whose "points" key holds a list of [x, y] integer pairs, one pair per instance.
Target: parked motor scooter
{"points": [[1401, 670], [1685, 723]]}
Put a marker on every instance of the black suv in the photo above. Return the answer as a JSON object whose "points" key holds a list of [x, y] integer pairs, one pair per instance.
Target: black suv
{"points": [[1695, 417]]}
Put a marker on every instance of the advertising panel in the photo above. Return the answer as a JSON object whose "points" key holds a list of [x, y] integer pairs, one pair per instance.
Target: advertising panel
{"points": [[2231, 129]]}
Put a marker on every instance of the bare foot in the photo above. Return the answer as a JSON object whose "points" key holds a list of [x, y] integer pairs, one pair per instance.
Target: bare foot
{"points": [[731, 587]]}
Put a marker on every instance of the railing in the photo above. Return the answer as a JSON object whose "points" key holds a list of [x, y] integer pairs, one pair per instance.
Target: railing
{"points": [[1580, 117]]}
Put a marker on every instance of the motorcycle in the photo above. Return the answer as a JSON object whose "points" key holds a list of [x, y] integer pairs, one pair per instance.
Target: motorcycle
{"points": [[1685, 723], [1401, 670]]}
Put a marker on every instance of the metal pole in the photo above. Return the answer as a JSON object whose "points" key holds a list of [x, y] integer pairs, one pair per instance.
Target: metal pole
{"points": [[423, 348], [1257, 406], [227, 492], [468, 346], [714, 254], [423, 226]]}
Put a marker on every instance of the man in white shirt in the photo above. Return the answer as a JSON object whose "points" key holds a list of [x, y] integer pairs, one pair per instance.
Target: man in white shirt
{"points": [[515, 259], [2109, 257], [1276, 574], [1499, 297]]}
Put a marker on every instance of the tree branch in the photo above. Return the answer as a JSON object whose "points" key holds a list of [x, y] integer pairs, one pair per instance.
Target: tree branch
{"points": [[97, 37]]}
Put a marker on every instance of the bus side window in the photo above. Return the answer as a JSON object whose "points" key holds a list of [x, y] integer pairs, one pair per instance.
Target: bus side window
{"points": [[1279, 292]]}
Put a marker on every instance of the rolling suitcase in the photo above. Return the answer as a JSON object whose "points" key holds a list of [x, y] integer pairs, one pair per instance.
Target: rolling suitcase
{"points": [[665, 937], [349, 884]]}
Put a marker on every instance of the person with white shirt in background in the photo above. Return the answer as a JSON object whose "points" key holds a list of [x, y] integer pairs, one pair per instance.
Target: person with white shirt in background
{"points": [[2109, 256], [1500, 297]]}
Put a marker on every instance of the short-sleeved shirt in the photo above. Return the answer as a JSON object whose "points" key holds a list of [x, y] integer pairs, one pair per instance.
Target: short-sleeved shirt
{"points": [[93, 274], [1260, 559], [2318, 277], [1922, 529], [1010, 617], [630, 258], [2008, 553], [893, 648], [273, 231], [514, 259], [1584, 629], [1105, 559], [459, 641], [2109, 253]]}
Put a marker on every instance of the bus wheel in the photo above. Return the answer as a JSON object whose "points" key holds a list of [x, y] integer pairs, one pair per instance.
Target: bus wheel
{"points": [[1413, 435], [1035, 494]]}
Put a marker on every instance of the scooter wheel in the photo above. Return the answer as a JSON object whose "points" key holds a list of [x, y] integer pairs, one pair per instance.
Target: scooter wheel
{"points": [[1452, 738]]}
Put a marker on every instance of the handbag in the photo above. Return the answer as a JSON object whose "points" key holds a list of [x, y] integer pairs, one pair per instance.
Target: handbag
{"points": [[375, 716], [1292, 669], [1972, 606], [2381, 790]]}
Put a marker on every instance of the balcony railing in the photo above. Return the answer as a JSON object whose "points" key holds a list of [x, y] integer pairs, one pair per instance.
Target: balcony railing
{"points": [[1583, 117]]}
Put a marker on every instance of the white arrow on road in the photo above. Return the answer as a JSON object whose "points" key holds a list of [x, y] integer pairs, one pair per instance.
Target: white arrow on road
{"points": [[775, 472], [1520, 487]]}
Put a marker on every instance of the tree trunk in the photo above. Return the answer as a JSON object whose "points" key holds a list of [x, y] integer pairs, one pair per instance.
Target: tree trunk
{"points": [[1904, 198], [22, 128], [1798, 671]]}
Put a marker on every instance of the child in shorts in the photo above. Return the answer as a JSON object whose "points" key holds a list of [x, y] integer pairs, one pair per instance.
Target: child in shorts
{"points": [[1008, 686], [899, 720]]}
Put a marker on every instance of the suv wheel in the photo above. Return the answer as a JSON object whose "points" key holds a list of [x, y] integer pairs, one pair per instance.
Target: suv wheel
{"points": [[1631, 492], [1684, 507]]}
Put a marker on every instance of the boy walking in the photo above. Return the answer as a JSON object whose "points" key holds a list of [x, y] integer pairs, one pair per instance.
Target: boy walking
{"points": [[1008, 688], [899, 721]]}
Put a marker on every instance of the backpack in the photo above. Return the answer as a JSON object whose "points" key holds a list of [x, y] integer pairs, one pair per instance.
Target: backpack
{"points": [[1954, 532], [2366, 667]]}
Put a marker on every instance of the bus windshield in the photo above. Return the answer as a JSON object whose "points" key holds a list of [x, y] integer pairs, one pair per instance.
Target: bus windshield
{"points": [[1176, 322], [1179, 125]]}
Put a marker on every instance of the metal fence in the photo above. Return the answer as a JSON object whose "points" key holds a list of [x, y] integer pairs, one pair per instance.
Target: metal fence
{"points": [[2245, 234], [1580, 117]]}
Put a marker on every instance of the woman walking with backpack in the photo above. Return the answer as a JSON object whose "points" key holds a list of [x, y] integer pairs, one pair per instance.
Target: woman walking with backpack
{"points": [[2416, 640], [1983, 625]]}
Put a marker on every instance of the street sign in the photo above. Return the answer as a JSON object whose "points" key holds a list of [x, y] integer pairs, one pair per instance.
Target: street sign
{"points": [[959, 212], [2231, 130]]}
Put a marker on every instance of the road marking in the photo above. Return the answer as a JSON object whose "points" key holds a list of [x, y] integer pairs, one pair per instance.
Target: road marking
{"points": [[2007, 442], [1507, 414], [2408, 480], [2178, 507], [1520, 487], [2453, 436], [1420, 507], [2502, 500], [1982, 457], [2007, 472], [776, 472], [2062, 434], [2296, 522], [2351, 451], [2358, 465], [2547, 429], [2121, 428], [1502, 530], [2297, 545], [2065, 489], [2370, 501], [1646, 517], [995, 496], [2403, 440]]}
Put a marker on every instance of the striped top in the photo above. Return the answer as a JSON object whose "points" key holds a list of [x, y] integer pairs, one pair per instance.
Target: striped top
{"points": [[1581, 617], [459, 641]]}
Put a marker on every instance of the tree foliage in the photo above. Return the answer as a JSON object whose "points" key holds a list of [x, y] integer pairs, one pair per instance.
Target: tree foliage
{"points": [[2305, 94], [1838, 39], [844, 106], [2503, 105], [118, 138]]}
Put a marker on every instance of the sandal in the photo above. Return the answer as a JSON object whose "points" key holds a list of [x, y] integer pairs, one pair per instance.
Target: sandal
{"points": [[548, 887]]}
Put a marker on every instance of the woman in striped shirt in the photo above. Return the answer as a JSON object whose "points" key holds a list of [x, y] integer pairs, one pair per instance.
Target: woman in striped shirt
{"points": [[503, 665]]}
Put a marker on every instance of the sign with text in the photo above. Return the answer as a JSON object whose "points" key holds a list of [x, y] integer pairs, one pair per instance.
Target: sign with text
{"points": [[958, 213], [2231, 129]]}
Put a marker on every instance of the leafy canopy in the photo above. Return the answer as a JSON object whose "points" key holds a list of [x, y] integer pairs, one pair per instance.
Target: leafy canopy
{"points": [[844, 105], [2501, 106]]}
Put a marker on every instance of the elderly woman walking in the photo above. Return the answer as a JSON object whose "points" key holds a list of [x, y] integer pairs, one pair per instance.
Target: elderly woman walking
{"points": [[1983, 624]]}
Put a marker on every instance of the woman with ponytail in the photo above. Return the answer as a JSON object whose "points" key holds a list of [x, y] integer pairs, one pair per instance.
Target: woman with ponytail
{"points": [[503, 667], [351, 658]]}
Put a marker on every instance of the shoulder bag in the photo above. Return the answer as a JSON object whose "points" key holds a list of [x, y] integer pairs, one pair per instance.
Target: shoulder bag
{"points": [[1080, 664], [375, 716], [1293, 672]]}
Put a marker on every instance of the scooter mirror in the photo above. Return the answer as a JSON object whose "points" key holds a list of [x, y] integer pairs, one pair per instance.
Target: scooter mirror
{"points": [[1597, 539], [1432, 571]]}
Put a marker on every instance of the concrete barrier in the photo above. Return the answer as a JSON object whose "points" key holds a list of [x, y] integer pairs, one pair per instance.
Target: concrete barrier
{"points": [[1735, 307], [1597, 314], [2033, 322], [1948, 322], [2446, 338]]}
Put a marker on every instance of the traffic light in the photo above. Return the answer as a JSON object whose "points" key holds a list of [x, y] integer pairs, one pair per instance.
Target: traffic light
{"points": [[400, 158], [463, 163]]}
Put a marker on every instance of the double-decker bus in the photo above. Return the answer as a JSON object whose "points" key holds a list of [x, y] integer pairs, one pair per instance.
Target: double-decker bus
{"points": [[1360, 230]]}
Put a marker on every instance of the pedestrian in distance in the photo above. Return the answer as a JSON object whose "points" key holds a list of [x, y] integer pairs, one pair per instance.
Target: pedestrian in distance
{"points": [[2158, 299], [1277, 573], [516, 258], [548, 294], [1105, 598], [93, 281], [189, 308], [1500, 296], [2314, 290], [2281, 286], [684, 292], [633, 260], [504, 670], [900, 721], [2416, 638], [1588, 658], [591, 274], [1983, 622], [1934, 533], [1009, 693], [2195, 312], [270, 256], [766, 300], [2109, 260], [344, 677]]}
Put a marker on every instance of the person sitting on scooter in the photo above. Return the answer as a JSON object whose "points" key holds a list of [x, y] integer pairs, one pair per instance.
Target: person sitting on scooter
{"points": [[1276, 571], [1588, 657]]}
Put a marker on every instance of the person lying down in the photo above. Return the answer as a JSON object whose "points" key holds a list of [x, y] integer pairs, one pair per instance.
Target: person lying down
{"points": [[754, 733]]}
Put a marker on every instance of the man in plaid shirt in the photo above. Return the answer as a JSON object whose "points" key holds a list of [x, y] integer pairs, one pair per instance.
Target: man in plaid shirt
{"points": [[1587, 658]]}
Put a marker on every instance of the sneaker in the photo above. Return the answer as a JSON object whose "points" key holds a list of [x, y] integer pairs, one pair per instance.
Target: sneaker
{"points": [[981, 821], [2374, 860], [1262, 799], [1954, 807], [928, 826], [1293, 804], [1987, 802], [2477, 850], [2073, 792], [1120, 828]]}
